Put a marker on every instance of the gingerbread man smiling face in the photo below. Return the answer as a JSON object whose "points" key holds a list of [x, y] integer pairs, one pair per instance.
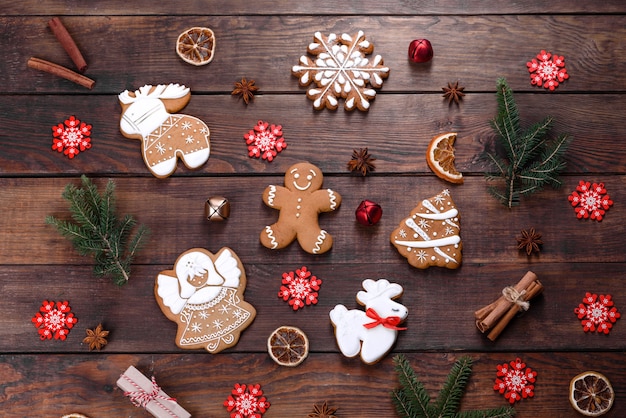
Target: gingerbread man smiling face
{"points": [[300, 202]]}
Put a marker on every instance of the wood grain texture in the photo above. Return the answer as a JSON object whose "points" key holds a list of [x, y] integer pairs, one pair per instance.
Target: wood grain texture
{"points": [[266, 47], [129, 44], [322, 7], [202, 383], [397, 131]]}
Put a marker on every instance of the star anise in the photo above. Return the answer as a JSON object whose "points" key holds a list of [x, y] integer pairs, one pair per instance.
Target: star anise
{"points": [[361, 160], [245, 89], [96, 338], [453, 93], [323, 411], [529, 241]]}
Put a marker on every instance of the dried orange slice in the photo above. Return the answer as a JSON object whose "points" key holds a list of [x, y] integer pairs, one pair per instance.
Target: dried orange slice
{"points": [[196, 46], [440, 157], [288, 346], [591, 394]]}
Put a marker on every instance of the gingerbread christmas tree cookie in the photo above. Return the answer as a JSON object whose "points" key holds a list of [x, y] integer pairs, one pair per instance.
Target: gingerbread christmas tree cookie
{"points": [[203, 294], [430, 235]]}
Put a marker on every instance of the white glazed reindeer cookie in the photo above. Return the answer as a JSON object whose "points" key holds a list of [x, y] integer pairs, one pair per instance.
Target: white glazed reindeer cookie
{"points": [[373, 332], [147, 115]]}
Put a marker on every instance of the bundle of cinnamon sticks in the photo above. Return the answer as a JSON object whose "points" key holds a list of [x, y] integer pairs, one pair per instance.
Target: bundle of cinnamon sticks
{"points": [[72, 50], [494, 317]]}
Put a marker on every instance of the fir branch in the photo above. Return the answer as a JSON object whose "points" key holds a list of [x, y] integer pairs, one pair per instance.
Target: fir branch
{"points": [[452, 391], [412, 400], [531, 160], [413, 389], [502, 412], [96, 231]]}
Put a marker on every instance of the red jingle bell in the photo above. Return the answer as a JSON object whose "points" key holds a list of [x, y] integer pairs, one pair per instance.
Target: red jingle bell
{"points": [[368, 213], [420, 50]]}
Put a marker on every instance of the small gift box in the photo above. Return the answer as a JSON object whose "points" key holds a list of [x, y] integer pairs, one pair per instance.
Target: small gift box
{"points": [[147, 394]]}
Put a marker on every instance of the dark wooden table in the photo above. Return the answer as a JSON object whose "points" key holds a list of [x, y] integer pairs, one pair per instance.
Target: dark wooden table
{"points": [[129, 44]]}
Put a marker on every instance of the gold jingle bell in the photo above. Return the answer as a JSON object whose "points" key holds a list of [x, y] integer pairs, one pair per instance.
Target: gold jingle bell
{"points": [[216, 208]]}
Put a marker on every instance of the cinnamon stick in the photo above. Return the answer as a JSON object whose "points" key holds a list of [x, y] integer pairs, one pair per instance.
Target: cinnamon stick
{"points": [[533, 290], [60, 71], [64, 37], [501, 306]]}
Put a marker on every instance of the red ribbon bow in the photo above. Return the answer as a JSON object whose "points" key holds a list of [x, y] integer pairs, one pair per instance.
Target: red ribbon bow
{"points": [[390, 322], [141, 398]]}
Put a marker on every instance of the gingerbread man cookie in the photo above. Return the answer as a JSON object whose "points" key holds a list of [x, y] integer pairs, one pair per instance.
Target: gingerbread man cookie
{"points": [[203, 294], [300, 202], [146, 115]]}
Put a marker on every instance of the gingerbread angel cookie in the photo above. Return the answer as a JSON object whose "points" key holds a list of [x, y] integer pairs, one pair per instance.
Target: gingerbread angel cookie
{"points": [[146, 115], [300, 202], [430, 235], [203, 294]]}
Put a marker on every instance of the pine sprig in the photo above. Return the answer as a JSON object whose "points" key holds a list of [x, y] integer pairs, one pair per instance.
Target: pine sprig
{"points": [[412, 400], [531, 160], [95, 229]]}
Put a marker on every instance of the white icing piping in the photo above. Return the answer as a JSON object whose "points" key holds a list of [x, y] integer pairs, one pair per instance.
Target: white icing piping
{"points": [[270, 235], [411, 224], [271, 195], [320, 240], [438, 216], [439, 242], [444, 255], [333, 199], [301, 188]]}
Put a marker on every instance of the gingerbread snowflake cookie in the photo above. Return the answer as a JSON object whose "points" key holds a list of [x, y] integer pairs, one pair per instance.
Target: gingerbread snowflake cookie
{"points": [[430, 235], [147, 115], [300, 202], [203, 294], [341, 70]]}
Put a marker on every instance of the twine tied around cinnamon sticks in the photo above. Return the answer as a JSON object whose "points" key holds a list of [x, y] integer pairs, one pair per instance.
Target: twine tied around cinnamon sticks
{"points": [[497, 315]]}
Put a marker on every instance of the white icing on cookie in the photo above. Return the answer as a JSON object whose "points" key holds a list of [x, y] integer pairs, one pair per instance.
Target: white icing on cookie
{"points": [[270, 235], [271, 195], [371, 333], [333, 199], [320, 240]]}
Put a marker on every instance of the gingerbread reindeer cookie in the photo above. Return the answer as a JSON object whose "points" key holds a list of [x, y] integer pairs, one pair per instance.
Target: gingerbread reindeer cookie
{"points": [[203, 294], [300, 202], [165, 136]]}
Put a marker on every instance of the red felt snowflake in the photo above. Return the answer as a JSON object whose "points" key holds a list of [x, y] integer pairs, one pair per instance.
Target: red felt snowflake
{"points": [[56, 321], [515, 381], [590, 200], [299, 288], [71, 137], [247, 402], [265, 141], [597, 313], [549, 70]]}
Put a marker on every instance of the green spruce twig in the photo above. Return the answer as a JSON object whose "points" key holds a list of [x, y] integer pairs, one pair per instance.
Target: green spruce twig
{"points": [[412, 401], [531, 160], [96, 230]]}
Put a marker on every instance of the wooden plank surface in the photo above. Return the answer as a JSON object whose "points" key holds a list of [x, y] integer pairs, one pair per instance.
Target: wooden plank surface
{"points": [[128, 44]]}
